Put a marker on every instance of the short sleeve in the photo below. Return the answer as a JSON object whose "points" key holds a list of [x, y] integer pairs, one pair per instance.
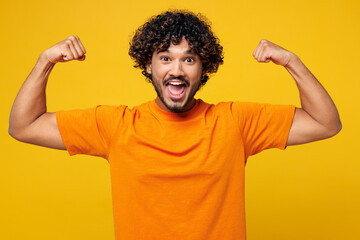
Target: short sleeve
{"points": [[89, 131], [263, 126]]}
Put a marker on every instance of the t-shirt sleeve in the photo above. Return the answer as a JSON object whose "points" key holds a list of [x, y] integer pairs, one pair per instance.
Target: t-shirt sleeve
{"points": [[89, 131], [263, 126]]}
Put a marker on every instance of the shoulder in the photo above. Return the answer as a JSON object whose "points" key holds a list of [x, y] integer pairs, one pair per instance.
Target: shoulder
{"points": [[123, 109], [250, 110], [237, 106], [250, 107], [229, 108], [109, 111]]}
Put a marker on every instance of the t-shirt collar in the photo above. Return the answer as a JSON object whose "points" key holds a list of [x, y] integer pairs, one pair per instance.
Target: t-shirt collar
{"points": [[172, 116]]}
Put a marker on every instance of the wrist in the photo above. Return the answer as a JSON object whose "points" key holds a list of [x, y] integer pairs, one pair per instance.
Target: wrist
{"points": [[44, 63], [42, 68], [44, 58], [293, 61]]}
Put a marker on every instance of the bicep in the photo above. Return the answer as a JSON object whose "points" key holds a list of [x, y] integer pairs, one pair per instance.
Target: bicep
{"points": [[44, 132], [305, 129]]}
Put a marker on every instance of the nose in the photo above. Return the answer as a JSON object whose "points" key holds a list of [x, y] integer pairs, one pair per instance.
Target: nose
{"points": [[176, 69]]}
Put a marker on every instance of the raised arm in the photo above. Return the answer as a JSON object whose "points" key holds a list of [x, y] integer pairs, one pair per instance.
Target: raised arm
{"points": [[29, 120], [318, 117]]}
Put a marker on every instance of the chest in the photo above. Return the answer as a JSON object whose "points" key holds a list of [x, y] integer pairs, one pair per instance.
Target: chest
{"points": [[204, 147]]}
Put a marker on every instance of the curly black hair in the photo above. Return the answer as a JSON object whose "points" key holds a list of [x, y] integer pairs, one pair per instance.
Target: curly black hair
{"points": [[170, 27]]}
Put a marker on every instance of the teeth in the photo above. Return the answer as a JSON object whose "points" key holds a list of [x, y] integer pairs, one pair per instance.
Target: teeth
{"points": [[175, 83]]}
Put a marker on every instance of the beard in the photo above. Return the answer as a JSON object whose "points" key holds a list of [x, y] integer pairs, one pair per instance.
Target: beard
{"points": [[176, 108]]}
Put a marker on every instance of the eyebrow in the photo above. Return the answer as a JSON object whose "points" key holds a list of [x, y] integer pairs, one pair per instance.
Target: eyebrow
{"points": [[190, 51]]}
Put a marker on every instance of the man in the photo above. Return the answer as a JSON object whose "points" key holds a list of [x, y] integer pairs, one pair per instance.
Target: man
{"points": [[177, 163]]}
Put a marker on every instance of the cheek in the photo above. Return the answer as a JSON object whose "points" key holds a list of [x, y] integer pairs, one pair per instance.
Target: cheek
{"points": [[196, 73], [158, 71]]}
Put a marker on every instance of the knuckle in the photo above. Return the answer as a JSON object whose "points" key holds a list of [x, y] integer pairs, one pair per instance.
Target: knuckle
{"points": [[68, 41], [264, 41]]}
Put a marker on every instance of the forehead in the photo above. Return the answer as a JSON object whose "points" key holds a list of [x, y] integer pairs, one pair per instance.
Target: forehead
{"points": [[182, 48]]}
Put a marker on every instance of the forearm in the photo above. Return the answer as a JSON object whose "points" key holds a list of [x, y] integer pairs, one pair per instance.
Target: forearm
{"points": [[315, 100], [30, 103]]}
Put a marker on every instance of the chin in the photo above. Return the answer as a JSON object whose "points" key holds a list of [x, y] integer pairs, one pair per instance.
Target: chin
{"points": [[171, 103], [175, 105]]}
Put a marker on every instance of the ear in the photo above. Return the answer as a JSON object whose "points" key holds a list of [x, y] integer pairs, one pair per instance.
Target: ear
{"points": [[148, 67]]}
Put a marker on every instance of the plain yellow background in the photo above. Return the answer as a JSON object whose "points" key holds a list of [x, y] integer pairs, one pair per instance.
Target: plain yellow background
{"points": [[308, 192]]}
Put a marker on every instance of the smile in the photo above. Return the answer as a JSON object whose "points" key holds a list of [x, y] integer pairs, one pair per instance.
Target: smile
{"points": [[176, 89]]}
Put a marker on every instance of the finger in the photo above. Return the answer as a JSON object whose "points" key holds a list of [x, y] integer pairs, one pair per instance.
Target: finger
{"points": [[256, 52], [265, 56], [77, 47], [73, 50], [67, 53], [259, 53], [262, 54], [79, 50], [82, 58], [80, 44]]}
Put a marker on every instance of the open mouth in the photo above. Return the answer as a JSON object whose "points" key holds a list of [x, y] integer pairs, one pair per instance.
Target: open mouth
{"points": [[176, 89]]}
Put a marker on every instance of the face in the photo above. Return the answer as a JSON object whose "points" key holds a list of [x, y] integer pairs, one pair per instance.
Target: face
{"points": [[176, 75]]}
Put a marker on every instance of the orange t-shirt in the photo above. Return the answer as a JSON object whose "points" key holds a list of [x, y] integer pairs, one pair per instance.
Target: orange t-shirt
{"points": [[177, 175]]}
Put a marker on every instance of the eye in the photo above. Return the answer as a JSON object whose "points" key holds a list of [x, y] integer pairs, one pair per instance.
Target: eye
{"points": [[189, 60], [165, 58]]}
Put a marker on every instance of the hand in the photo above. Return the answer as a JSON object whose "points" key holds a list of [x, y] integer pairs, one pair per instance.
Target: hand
{"points": [[69, 49], [267, 51]]}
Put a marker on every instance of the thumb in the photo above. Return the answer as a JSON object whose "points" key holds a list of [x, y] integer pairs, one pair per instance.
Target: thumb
{"points": [[82, 58]]}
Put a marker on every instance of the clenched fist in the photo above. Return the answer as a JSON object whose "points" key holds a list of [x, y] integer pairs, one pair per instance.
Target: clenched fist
{"points": [[267, 51], [69, 49]]}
